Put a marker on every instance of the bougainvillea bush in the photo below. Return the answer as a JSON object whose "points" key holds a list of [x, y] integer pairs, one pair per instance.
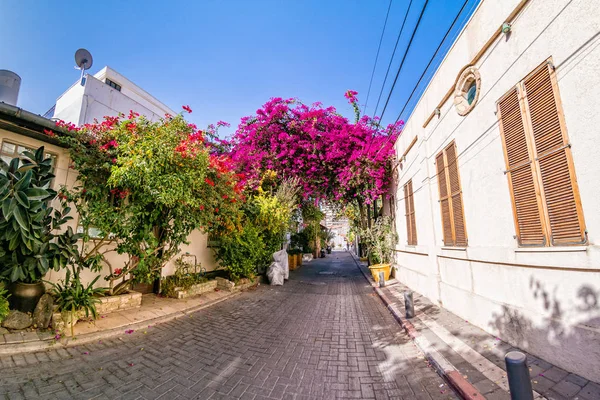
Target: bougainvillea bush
{"points": [[334, 158], [144, 186]]}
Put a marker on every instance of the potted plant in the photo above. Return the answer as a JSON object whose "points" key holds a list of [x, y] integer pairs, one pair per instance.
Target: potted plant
{"points": [[291, 260], [26, 224], [381, 240]]}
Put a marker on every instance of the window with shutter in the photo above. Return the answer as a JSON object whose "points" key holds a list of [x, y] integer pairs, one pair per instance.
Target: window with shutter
{"points": [[451, 202], [539, 164], [411, 228]]}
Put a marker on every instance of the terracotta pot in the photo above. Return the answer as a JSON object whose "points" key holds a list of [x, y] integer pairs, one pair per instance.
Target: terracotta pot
{"points": [[377, 268], [25, 296], [292, 262]]}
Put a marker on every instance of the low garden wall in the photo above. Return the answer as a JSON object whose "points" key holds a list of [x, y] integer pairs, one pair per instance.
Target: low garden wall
{"points": [[120, 302], [195, 290]]}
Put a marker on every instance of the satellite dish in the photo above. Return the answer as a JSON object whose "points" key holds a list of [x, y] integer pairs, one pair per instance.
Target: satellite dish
{"points": [[84, 61]]}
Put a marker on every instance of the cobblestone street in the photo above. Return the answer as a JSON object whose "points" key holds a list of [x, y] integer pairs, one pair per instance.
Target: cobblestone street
{"points": [[323, 335]]}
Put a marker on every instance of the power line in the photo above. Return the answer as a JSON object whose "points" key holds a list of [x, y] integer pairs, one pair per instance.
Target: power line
{"points": [[392, 58], [377, 55], [427, 67], [432, 58], [404, 57]]}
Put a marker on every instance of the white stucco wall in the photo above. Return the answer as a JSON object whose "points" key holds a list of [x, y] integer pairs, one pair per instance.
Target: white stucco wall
{"points": [[82, 104], [545, 300]]}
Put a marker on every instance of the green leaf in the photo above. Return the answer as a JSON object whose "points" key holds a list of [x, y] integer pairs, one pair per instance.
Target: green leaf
{"points": [[21, 217], [36, 194], [17, 273], [26, 167], [24, 182], [12, 206], [22, 199]]}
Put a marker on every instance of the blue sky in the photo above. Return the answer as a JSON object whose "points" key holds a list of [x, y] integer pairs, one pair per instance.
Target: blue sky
{"points": [[223, 58]]}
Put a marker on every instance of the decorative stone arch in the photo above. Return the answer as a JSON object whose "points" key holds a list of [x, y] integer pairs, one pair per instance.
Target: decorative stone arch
{"points": [[466, 90]]}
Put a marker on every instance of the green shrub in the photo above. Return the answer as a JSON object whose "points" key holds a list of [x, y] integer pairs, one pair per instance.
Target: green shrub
{"points": [[183, 278], [240, 253], [3, 304]]}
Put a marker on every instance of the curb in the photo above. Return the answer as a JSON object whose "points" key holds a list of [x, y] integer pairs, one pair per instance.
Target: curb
{"points": [[443, 367], [36, 346]]}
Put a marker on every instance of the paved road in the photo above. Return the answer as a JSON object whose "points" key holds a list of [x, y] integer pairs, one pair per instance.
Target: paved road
{"points": [[323, 335]]}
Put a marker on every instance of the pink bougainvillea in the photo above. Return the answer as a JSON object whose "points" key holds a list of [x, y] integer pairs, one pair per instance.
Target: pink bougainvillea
{"points": [[334, 158]]}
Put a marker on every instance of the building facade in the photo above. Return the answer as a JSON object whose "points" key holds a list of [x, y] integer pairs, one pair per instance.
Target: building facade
{"points": [[105, 93], [496, 193]]}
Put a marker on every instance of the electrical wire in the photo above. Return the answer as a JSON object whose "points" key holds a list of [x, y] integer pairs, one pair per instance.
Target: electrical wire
{"points": [[404, 57], [392, 57], [432, 58], [377, 55]]}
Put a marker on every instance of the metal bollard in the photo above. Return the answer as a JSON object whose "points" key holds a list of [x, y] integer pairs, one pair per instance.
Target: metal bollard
{"points": [[381, 279], [409, 305], [519, 380]]}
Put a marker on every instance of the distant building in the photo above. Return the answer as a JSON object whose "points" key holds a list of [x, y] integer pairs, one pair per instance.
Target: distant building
{"points": [[106, 93], [499, 180], [340, 226]]}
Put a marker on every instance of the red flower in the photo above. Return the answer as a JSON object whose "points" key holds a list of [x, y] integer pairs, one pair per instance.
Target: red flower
{"points": [[201, 208], [49, 132], [118, 271], [209, 181], [225, 197], [187, 108], [114, 160], [217, 210]]}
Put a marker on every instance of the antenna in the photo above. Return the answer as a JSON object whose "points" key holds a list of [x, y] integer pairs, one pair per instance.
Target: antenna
{"points": [[84, 61]]}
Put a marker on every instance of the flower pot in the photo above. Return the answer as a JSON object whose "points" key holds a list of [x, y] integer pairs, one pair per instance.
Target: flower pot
{"points": [[25, 296], [298, 260], [292, 261], [377, 268]]}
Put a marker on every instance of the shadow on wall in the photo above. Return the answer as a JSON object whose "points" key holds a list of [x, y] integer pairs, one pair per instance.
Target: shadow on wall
{"points": [[566, 334]]}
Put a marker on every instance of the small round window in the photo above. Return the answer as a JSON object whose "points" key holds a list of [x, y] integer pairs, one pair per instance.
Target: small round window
{"points": [[466, 91], [471, 93]]}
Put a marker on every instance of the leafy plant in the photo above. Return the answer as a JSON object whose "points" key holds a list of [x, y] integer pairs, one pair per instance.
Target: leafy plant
{"points": [[300, 241], [146, 186], [380, 240], [3, 304], [73, 297], [181, 279], [240, 253], [27, 219]]}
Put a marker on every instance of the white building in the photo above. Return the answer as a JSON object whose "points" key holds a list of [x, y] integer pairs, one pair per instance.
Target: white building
{"points": [[499, 180], [106, 93]]}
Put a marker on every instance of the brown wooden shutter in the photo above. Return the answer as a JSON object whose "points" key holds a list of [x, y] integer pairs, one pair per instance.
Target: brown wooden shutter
{"points": [[540, 166], [411, 228], [444, 200], [456, 204], [554, 159], [527, 205], [451, 204], [413, 218]]}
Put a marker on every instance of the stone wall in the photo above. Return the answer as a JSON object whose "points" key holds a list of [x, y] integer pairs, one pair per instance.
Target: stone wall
{"points": [[110, 304], [196, 289]]}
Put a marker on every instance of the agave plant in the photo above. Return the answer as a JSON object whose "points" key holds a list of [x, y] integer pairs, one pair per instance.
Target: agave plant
{"points": [[27, 219]]}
